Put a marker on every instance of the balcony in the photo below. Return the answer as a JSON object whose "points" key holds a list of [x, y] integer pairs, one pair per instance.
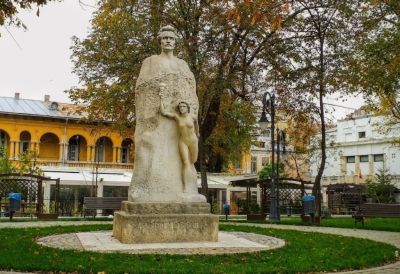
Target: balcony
{"points": [[81, 164]]}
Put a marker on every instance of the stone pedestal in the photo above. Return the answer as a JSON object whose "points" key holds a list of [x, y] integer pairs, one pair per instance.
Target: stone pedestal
{"points": [[165, 223]]}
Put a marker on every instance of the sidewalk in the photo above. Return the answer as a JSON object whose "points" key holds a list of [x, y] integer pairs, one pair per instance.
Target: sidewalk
{"points": [[380, 236]]}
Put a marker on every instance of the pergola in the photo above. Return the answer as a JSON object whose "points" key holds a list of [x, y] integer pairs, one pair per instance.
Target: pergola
{"points": [[31, 188], [344, 198], [289, 190]]}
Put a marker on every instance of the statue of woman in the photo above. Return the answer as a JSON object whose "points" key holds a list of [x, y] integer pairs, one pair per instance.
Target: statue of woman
{"points": [[188, 134]]}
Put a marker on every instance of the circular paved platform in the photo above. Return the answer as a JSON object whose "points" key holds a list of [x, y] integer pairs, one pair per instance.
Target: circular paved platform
{"points": [[103, 241]]}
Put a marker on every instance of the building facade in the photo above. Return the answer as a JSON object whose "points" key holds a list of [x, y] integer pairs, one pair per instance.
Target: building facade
{"points": [[89, 158], [357, 151]]}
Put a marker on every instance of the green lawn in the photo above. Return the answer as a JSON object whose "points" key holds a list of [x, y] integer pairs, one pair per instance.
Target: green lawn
{"points": [[304, 253], [382, 224]]}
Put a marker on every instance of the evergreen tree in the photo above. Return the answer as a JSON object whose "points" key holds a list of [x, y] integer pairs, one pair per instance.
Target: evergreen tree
{"points": [[381, 188]]}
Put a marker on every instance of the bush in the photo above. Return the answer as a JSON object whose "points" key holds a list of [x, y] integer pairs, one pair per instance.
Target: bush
{"points": [[325, 212], [255, 208]]}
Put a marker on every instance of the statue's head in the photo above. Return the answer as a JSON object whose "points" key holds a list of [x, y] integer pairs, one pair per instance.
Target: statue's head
{"points": [[167, 30], [183, 102]]}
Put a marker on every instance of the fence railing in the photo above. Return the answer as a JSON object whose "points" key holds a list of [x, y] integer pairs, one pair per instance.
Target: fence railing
{"points": [[74, 208]]}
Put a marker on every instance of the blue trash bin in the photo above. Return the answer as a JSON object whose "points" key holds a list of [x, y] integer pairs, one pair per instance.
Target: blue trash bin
{"points": [[309, 204], [14, 200], [226, 210]]}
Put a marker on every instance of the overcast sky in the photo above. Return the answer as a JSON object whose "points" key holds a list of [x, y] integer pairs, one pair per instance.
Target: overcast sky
{"points": [[38, 62]]}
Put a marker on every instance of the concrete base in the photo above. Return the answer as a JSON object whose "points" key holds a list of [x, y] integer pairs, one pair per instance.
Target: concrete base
{"points": [[165, 223]]}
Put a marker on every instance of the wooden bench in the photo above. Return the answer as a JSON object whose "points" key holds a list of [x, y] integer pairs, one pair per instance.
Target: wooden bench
{"points": [[97, 203], [376, 211]]}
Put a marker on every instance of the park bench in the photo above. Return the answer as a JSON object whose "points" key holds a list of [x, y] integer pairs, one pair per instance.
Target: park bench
{"points": [[100, 203], [376, 211]]}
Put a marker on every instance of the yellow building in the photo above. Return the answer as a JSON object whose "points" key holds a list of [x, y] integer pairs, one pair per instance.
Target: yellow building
{"points": [[60, 139], [260, 154], [89, 158]]}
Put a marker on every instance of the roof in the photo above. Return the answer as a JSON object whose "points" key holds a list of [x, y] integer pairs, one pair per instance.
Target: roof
{"points": [[17, 106], [79, 176]]}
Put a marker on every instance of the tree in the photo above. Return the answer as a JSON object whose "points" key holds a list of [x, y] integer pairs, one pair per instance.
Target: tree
{"points": [[226, 59], [300, 133], [376, 66], [98, 132], [236, 121], [29, 163], [265, 173], [311, 64], [381, 188], [6, 165]]}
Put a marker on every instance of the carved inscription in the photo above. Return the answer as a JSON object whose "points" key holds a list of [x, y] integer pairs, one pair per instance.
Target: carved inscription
{"points": [[169, 225]]}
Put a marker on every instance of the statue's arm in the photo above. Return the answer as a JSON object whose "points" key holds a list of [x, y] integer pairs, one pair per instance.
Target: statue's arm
{"points": [[196, 126], [164, 111]]}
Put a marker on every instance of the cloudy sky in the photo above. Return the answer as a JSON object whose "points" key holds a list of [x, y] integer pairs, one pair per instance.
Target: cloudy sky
{"points": [[37, 62]]}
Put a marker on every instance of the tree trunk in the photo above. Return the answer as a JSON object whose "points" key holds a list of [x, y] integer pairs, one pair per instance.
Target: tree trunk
{"points": [[321, 92], [203, 169]]}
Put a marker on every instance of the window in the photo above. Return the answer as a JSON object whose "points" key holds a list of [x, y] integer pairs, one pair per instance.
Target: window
{"points": [[253, 164], [237, 165], [124, 154], [364, 159], [73, 153], [264, 161], [351, 159], [24, 146], [99, 153], [361, 134], [266, 133], [3, 141], [378, 158]]}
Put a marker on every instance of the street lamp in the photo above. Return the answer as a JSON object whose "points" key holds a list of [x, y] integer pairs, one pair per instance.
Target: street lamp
{"points": [[269, 101], [281, 140]]}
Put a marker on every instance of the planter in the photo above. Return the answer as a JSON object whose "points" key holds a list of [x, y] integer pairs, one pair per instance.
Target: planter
{"points": [[256, 216], [307, 219], [47, 216]]}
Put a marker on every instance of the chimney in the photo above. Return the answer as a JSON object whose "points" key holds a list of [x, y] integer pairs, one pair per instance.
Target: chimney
{"points": [[16, 95], [47, 98]]}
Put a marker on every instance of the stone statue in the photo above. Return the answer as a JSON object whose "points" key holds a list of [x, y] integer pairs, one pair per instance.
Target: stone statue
{"points": [[165, 148], [163, 204], [189, 133]]}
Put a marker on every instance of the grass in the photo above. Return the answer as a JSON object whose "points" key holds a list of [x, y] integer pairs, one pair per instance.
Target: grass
{"points": [[381, 224], [67, 219], [305, 253]]}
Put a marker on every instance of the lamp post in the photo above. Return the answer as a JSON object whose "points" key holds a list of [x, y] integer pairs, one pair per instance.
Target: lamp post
{"points": [[269, 101], [281, 140]]}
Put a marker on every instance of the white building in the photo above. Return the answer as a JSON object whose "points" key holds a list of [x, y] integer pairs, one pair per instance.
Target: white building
{"points": [[358, 150]]}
